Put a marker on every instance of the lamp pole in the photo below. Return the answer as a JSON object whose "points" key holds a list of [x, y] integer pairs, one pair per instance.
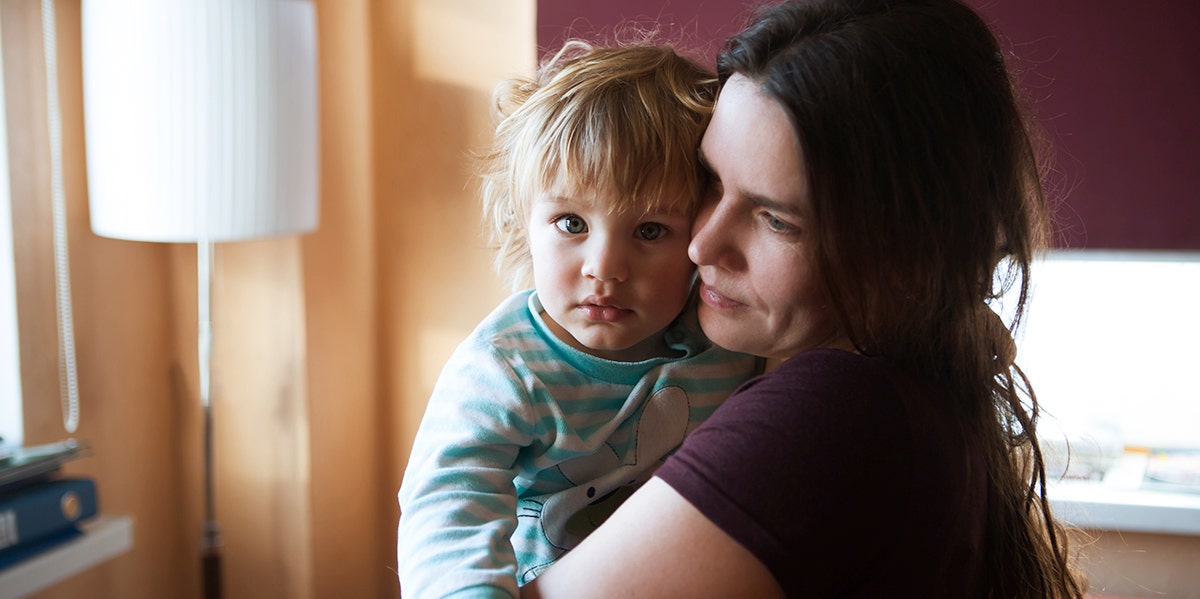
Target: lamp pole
{"points": [[210, 560], [201, 127]]}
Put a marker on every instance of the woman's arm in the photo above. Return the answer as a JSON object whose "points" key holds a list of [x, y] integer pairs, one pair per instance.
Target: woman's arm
{"points": [[656, 545]]}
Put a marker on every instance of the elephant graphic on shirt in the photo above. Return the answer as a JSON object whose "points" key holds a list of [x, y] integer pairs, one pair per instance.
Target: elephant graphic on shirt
{"points": [[603, 480]]}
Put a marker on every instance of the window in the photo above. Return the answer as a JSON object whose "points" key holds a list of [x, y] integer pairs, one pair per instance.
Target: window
{"points": [[10, 369], [1109, 344]]}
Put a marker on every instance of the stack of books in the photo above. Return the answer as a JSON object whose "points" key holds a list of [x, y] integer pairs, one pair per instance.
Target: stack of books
{"points": [[39, 507]]}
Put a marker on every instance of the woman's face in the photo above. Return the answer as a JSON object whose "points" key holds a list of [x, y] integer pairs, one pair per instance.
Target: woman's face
{"points": [[754, 235]]}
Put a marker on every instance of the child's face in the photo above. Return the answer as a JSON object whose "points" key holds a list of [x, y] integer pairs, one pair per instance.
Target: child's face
{"points": [[609, 282]]}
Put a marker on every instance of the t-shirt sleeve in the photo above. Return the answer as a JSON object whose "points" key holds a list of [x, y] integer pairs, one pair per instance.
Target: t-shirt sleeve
{"points": [[799, 466]]}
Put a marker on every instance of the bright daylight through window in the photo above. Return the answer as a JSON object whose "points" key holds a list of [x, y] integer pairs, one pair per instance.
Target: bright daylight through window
{"points": [[10, 370], [1109, 345]]}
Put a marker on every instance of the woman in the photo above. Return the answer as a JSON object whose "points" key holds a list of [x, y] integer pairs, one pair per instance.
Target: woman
{"points": [[873, 185]]}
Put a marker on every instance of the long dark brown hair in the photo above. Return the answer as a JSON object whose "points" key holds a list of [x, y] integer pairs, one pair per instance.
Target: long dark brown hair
{"points": [[928, 203]]}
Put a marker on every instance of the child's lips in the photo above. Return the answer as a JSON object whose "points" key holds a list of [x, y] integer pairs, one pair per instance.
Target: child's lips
{"points": [[603, 309], [603, 313]]}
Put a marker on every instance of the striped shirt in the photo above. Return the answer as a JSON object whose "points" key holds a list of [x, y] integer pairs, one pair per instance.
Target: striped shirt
{"points": [[527, 445]]}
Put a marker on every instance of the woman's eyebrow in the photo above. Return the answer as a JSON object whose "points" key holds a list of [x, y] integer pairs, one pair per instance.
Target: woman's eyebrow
{"points": [[773, 205], [755, 198]]}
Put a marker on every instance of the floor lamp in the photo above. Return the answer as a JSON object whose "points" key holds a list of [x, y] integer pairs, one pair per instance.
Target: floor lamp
{"points": [[201, 127]]}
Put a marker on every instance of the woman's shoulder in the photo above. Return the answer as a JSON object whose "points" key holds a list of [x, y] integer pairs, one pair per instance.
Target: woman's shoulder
{"points": [[820, 392], [832, 373], [828, 359]]}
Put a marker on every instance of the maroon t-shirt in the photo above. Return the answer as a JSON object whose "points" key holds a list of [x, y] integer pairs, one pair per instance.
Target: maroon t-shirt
{"points": [[845, 477]]}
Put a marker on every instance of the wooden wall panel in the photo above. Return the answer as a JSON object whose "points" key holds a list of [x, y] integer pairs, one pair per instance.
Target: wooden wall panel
{"points": [[435, 65], [345, 430], [326, 345]]}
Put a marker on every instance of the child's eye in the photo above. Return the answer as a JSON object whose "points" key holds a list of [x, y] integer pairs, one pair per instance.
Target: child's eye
{"points": [[571, 224], [651, 231]]}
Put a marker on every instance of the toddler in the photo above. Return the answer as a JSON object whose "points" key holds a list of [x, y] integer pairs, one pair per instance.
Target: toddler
{"points": [[570, 394]]}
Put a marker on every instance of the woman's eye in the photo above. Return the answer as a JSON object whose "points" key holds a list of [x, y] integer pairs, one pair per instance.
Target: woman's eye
{"points": [[777, 225], [651, 231], [570, 224]]}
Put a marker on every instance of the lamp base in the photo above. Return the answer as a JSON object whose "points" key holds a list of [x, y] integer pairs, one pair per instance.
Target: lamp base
{"points": [[210, 565]]}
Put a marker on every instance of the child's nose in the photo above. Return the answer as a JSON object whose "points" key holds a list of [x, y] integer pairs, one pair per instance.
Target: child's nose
{"points": [[607, 260]]}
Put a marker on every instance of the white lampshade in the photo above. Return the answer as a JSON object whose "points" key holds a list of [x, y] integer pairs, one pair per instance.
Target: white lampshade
{"points": [[201, 118]]}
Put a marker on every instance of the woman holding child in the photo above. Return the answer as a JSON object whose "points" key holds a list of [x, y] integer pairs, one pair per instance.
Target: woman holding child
{"points": [[870, 174]]}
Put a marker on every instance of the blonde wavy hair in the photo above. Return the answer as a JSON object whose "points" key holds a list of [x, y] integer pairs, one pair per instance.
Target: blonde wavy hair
{"points": [[625, 121]]}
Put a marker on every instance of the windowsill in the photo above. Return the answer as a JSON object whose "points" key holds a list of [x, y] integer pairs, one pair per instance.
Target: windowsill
{"points": [[1094, 506], [104, 537], [1120, 502]]}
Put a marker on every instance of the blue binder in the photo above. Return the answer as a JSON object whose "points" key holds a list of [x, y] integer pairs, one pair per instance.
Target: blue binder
{"points": [[42, 514]]}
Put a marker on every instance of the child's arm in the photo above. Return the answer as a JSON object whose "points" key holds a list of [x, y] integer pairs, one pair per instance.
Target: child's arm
{"points": [[458, 501]]}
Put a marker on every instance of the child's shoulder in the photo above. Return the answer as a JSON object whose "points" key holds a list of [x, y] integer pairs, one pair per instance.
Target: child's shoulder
{"points": [[514, 308], [685, 332], [510, 322]]}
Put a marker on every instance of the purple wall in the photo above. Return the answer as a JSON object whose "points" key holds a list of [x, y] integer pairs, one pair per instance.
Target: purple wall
{"points": [[699, 26], [1115, 84]]}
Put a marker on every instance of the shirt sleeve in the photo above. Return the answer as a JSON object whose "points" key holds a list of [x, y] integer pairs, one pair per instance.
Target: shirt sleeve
{"points": [[457, 500], [799, 466]]}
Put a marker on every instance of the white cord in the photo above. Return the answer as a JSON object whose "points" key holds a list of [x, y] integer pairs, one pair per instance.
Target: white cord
{"points": [[68, 381]]}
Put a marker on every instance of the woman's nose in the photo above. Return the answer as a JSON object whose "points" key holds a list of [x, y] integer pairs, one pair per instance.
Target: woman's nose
{"points": [[607, 260], [708, 232]]}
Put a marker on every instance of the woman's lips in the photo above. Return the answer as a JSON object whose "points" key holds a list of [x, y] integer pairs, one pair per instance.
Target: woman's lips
{"points": [[716, 300]]}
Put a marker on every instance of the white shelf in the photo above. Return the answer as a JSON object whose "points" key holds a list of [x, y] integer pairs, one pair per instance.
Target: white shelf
{"points": [[103, 537]]}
